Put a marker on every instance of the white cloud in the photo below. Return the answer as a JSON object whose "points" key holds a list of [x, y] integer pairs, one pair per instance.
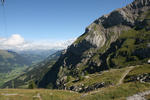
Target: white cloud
{"points": [[17, 42], [14, 40]]}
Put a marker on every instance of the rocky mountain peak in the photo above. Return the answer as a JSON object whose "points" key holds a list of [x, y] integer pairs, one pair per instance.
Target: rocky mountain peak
{"points": [[126, 15]]}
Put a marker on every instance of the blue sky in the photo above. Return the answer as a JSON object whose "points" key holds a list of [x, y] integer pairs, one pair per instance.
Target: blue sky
{"points": [[52, 19], [49, 23]]}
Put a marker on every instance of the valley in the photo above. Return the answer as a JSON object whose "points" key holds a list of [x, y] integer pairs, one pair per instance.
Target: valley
{"points": [[13, 65], [11, 75]]}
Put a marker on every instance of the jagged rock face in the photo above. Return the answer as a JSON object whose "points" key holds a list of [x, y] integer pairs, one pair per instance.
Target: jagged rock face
{"points": [[120, 16], [125, 16], [97, 38]]}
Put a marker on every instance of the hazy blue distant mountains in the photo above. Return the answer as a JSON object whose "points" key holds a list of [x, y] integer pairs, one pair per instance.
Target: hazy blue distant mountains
{"points": [[10, 60], [36, 56]]}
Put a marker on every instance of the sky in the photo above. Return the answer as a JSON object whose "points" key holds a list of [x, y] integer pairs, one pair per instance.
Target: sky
{"points": [[49, 22]]}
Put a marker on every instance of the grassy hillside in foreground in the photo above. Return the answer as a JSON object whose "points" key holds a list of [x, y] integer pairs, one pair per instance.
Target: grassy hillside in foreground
{"points": [[118, 92], [123, 90], [111, 92], [37, 94]]}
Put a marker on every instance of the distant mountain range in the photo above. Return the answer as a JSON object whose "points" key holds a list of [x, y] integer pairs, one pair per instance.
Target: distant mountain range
{"points": [[36, 55]]}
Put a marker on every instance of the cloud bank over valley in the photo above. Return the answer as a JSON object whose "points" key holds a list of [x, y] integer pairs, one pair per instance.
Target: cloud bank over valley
{"points": [[17, 42]]}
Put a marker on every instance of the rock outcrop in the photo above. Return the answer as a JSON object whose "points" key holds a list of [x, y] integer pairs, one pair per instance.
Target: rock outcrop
{"points": [[141, 78]]}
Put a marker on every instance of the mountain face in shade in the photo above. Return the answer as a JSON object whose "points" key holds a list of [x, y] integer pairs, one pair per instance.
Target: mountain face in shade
{"points": [[115, 40]]}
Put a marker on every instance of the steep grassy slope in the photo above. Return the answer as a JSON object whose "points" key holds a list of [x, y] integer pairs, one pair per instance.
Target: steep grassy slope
{"points": [[140, 73], [116, 40], [134, 49], [95, 81]]}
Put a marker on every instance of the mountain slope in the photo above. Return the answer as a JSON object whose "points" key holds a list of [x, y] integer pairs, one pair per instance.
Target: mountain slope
{"points": [[116, 40], [33, 73]]}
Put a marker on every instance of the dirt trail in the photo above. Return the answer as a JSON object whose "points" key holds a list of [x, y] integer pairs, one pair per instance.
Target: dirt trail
{"points": [[125, 74]]}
